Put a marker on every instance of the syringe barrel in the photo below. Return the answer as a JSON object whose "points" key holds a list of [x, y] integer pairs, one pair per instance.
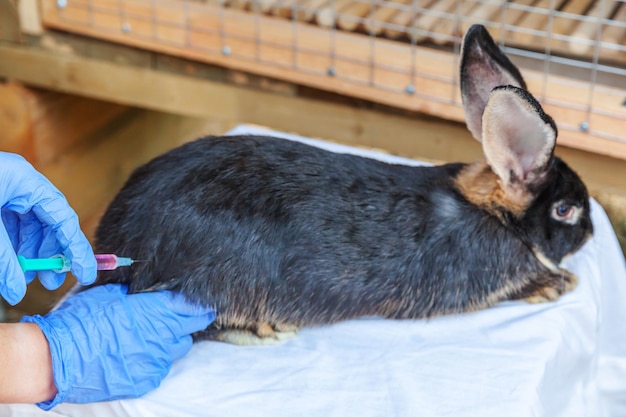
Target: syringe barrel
{"points": [[106, 262]]}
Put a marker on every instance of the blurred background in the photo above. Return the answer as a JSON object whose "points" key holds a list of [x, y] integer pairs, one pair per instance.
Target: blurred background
{"points": [[91, 89]]}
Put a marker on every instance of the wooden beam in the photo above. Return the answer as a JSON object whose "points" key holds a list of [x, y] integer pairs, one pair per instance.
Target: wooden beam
{"points": [[42, 125], [115, 82]]}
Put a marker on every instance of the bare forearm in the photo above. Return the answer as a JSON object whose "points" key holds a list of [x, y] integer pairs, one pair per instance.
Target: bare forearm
{"points": [[25, 364]]}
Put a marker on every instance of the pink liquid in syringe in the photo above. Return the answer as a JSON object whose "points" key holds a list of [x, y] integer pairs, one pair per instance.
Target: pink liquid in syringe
{"points": [[109, 262]]}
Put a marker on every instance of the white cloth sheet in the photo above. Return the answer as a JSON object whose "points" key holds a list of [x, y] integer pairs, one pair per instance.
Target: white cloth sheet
{"points": [[566, 358]]}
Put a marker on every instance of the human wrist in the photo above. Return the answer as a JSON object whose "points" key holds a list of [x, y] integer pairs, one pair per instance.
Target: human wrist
{"points": [[25, 358], [59, 346]]}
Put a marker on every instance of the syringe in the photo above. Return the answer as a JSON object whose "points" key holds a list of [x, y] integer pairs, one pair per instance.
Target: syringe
{"points": [[59, 263]]}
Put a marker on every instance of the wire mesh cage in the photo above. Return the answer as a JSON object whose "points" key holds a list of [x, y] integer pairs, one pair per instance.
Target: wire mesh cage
{"points": [[402, 53]]}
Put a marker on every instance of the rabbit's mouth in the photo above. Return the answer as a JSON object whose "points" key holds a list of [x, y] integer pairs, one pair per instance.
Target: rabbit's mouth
{"points": [[584, 240], [544, 260]]}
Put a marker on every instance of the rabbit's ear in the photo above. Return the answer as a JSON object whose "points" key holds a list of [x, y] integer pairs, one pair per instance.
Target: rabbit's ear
{"points": [[483, 67], [518, 138]]}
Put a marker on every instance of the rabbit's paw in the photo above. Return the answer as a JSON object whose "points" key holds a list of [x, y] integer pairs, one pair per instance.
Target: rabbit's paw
{"points": [[543, 295], [559, 282], [263, 334], [243, 338]]}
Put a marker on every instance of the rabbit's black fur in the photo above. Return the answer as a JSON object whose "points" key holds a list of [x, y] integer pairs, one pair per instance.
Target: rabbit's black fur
{"points": [[279, 233]]}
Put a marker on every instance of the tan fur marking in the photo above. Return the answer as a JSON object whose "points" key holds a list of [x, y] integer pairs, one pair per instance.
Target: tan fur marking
{"points": [[247, 338], [244, 338], [544, 295], [482, 187], [264, 330], [545, 261], [285, 328]]}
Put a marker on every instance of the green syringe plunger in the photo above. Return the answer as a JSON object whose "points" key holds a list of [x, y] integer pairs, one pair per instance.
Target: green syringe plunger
{"points": [[58, 263]]}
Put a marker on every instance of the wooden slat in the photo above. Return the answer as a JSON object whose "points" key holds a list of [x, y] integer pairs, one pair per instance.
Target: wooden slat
{"points": [[564, 24], [30, 21], [451, 28], [351, 17], [326, 16], [512, 15], [538, 20], [9, 21], [482, 12], [403, 21], [309, 8], [428, 21], [383, 15], [285, 8], [581, 39], [615, 34]]}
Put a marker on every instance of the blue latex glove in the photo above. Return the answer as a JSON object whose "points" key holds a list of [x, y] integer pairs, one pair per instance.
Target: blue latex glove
{"points": [[37, 222], [108, 345]]}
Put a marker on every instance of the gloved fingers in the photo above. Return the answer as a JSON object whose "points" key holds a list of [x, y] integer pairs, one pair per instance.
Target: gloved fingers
{"points": [[161, 363], [29, 276], [51, 280], [30, 235], [11, 222], [84, 265], [65, 237], [174, 312], [49, 246], [147, 383], [180, 347], [12, 279], [14, 226]]}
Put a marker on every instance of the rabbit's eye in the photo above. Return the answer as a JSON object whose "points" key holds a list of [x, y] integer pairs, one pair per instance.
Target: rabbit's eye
{"points": [[563, 211], [566, 213]]}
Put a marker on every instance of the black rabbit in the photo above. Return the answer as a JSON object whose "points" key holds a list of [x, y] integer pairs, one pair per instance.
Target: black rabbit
{"points": [[277, 234]]}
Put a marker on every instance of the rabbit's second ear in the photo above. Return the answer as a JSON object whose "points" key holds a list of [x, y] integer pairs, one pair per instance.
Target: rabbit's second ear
{"points": [[518, 138], [483, 67]]}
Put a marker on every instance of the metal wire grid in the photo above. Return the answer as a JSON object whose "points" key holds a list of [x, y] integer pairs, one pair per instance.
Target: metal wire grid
{"points": [[161, 21]]}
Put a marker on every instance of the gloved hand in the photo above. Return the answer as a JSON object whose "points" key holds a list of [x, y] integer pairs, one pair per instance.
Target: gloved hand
{"points": [[108, 345], [37, 222]]}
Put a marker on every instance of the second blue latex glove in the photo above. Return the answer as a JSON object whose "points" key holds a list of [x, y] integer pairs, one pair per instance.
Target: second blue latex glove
{"points": [[108, 345]]}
